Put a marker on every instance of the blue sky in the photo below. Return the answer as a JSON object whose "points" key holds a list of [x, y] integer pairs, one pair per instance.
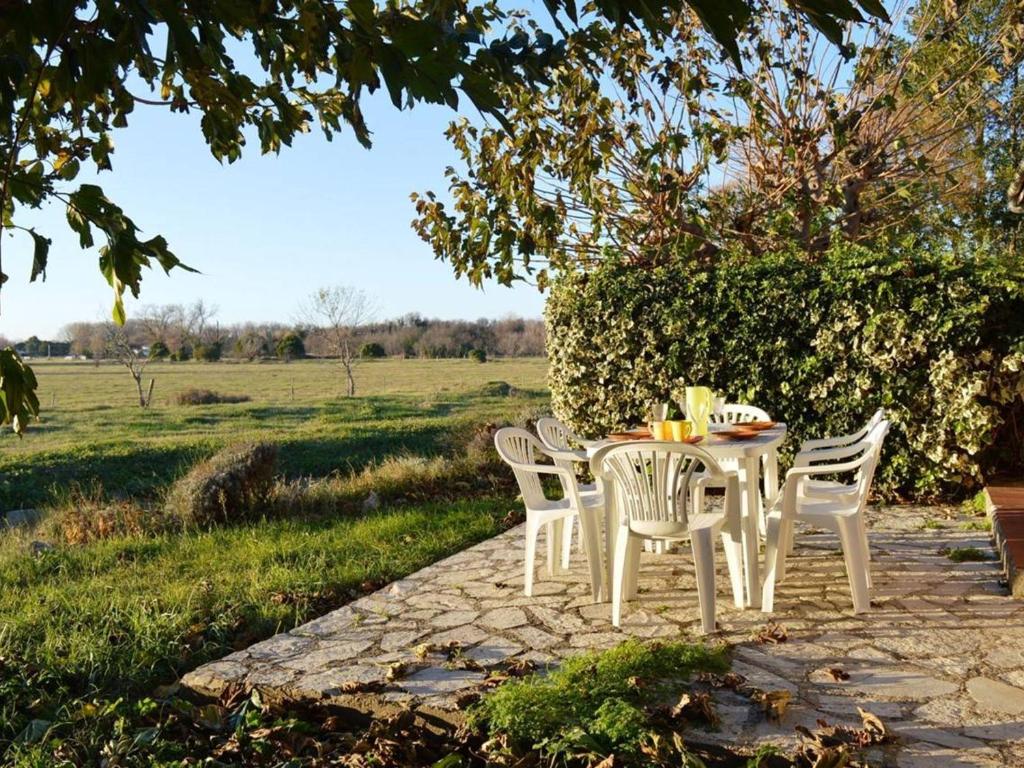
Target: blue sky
{"points": [[265, 231]]}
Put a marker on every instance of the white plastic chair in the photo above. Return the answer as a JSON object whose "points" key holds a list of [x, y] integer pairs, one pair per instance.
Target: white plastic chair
{"points": [[736, 413], [520, 450], [843, 440], [652, 484], [831, 505], [560, 441]]}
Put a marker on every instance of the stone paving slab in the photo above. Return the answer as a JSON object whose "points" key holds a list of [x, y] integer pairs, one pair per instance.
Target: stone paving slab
{"points": [[940, 657]]}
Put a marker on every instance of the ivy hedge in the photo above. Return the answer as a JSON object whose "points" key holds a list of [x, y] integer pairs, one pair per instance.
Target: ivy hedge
{"points": [[935, 339]]}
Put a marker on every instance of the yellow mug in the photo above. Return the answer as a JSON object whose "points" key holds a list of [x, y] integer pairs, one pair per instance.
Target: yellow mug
{"points": [[680, 430], [660, 430]]}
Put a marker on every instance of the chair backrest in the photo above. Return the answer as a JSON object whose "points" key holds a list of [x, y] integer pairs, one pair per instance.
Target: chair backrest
{"points": [[520, 450], [652, 482], [735, 413], [875, 439], [554, 434]]}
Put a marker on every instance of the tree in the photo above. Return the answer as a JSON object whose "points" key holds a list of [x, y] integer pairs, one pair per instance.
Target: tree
{"points": [[649, 157], [70, 71], [158, 351], [291, 347], [337, 313], [251, 345], [372, 351], [120, 348]]}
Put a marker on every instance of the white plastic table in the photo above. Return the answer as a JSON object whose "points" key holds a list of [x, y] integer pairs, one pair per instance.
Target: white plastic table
{"points": [[749, 454]]}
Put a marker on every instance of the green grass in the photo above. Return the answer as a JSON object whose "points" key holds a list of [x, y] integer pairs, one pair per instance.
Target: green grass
{"points": [[85, 627], [976, 524], [594, 704], [91, 431]]}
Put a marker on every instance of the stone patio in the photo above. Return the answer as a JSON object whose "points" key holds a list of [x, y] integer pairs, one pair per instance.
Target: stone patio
{"points": [[940, 659]]}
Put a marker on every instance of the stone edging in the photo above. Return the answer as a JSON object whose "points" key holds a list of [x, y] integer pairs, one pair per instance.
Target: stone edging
{"points": [[1005, 507]]}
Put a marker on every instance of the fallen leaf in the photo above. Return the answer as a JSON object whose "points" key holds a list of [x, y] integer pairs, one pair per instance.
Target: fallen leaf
{"points": [[397, 671], [774, 703], [838, 674], [773, 634]]}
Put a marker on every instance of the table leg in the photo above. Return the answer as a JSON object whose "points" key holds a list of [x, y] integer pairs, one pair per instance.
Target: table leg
{"points": [[751, 538], [610, 530]]}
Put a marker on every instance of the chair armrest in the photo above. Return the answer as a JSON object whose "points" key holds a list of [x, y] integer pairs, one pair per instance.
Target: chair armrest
{"points": [[797, 473], [806, 458], [832, 442]]}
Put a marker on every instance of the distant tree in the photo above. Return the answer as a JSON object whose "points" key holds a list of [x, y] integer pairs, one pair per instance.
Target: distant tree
{"points": [[291, 347], [251, 345], [478, 354], [120, 348], [338, 312], [208, 353], [158, 351], [372, 350], [184, 352]]}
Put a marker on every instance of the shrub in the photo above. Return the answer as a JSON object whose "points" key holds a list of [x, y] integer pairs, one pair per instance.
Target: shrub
{"points": [[183, 353], [230, 486], [207, 397], [372, 350], [291, 347], [937, 341], [158, 351], [208, 353], [497, 389], [477, 354]]}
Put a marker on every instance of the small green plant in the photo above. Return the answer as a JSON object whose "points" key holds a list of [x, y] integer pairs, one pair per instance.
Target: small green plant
{"points": [[976, 524], [594, 702], [968, 555], [976, 505], [931, 524]]}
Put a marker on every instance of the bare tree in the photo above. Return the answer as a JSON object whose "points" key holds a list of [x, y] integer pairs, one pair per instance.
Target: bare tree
{"points": [[119, 347], [161, 323], [338, 312]]}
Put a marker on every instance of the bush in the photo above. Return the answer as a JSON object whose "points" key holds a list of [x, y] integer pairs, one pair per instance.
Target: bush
{"points": [[477, 354], [158, 351], [207, 397], [497, 389], [208, 353], [372, 350], [230, 486], [291, 347], [184, 353], [937, 341]]}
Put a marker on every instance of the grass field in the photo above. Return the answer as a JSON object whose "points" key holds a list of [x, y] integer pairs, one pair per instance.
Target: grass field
{"points": [[92, 628], [92, 430]]}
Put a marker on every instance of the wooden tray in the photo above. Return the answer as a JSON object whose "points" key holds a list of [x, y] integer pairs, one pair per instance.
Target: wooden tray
{"points": [[643, 433], [738, 434], [757, 426]]}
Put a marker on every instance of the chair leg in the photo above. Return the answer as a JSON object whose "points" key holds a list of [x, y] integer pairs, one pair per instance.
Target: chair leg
{"points": [[566, 543], [734, 560], [703, 547], [532, 531], [856, 563], [554, 542], [632, 568], [863, 528], [787, 537], [774, 561], [622, 544]]}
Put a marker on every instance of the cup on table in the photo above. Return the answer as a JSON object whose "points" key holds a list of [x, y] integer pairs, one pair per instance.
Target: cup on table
{"points": [[660, 430], [680, 430]]}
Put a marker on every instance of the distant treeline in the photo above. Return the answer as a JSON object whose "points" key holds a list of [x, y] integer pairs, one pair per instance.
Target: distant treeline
{"points": [[181, 333]]}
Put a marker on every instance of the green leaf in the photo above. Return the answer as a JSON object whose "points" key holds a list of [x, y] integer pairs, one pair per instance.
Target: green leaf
{"points": [[40, 254]]}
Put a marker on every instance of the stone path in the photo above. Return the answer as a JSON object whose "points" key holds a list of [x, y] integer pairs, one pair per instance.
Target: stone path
{"points": [[940, 659]]}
